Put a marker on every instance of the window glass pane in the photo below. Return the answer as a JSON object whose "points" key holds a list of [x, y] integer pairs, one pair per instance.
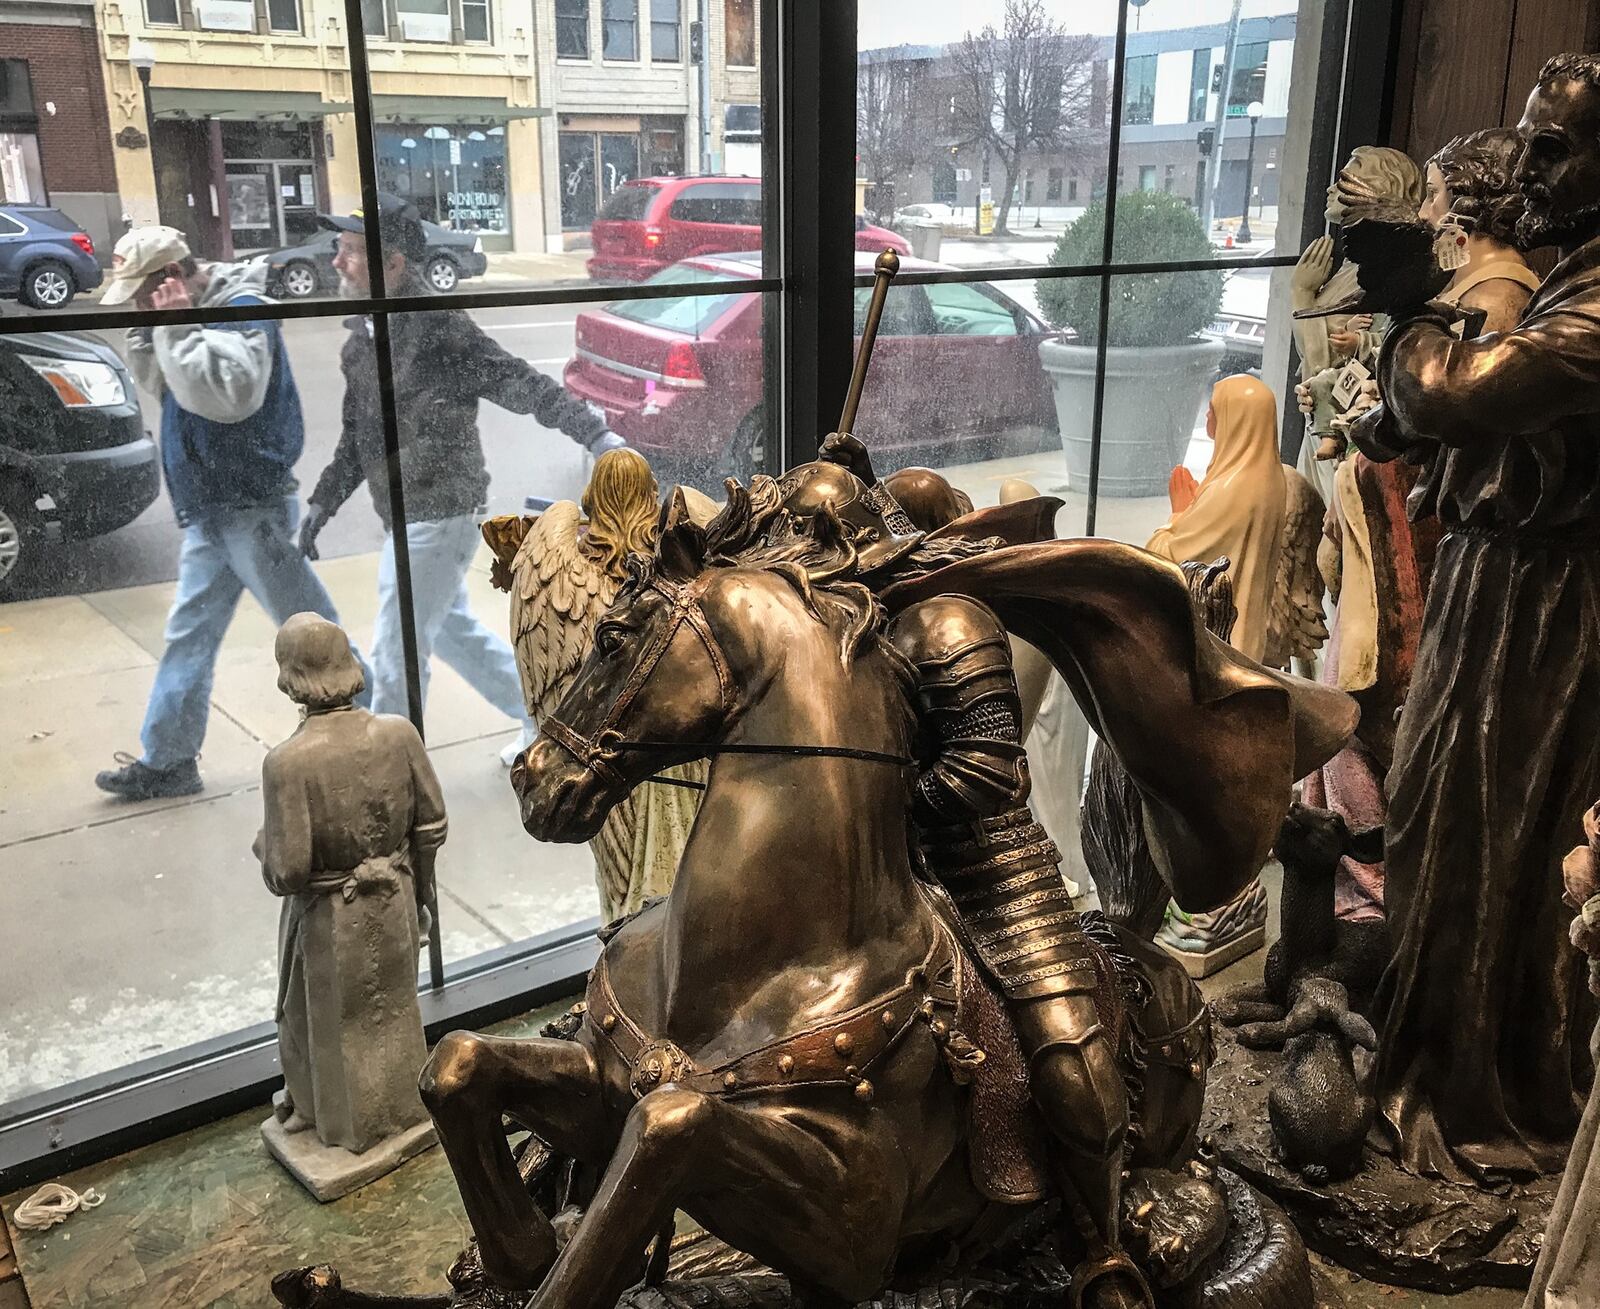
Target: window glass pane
{"points": [[980, 146], [740, 32], [523, 176], [664, 31], [284, 15], [620, 24], [168, 932], [572, 29], [1139, 90], [162, 11], [1202, 146]]}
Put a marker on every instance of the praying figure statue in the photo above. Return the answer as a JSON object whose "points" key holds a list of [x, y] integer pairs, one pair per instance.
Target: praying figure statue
{"points": [[353, 816]]}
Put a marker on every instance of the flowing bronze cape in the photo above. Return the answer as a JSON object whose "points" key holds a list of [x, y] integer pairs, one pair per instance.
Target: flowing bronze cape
{"points": [[1213, 740]]}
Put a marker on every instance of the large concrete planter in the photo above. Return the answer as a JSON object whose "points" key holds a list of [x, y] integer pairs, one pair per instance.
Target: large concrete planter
{"points": [[1154, 397]]}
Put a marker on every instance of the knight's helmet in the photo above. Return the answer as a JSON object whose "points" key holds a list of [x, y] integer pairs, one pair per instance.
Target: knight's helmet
{"points": [[880, 530]]}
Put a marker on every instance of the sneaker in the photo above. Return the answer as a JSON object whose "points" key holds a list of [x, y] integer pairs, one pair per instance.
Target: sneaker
{"points": [[136, 780]]}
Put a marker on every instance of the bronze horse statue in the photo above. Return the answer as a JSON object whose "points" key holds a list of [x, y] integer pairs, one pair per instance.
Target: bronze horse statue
{"points": [[780, 1048]]}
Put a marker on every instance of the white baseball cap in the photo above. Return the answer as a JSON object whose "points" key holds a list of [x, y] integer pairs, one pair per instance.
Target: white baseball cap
{"points": [[139, 253]]}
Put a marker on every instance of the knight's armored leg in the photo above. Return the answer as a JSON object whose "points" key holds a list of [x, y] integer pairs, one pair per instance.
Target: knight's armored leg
{"points": [[1077, 1086]]}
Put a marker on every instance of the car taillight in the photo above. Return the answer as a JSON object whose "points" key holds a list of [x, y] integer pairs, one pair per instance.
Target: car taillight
{"points": [[652, 235], [82, 241], [682, 367]]}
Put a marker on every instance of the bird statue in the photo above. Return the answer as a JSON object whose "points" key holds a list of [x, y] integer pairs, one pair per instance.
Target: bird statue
{"points": [[563, 569]]}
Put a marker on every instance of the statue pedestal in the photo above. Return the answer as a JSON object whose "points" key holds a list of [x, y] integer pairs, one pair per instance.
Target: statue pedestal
{"points": [[1383, 1223], [330, 1171], [1207, 943]]}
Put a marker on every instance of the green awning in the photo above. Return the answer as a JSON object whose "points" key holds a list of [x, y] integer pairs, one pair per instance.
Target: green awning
{"points": [[449, 109], [194, 102]]}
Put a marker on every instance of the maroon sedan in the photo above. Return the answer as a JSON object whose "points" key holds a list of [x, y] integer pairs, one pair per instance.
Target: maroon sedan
{"points": [[652, 222], [680, 378]]}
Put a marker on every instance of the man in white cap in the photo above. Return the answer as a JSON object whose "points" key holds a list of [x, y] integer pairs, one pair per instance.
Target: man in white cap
{"points": [[231, 430]]}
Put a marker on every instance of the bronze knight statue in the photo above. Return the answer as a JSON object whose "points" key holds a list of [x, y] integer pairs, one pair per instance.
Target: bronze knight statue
{"points": [[820, 1044]]}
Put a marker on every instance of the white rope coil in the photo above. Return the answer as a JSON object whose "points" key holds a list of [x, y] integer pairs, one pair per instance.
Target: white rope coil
{"points": [[51, 1204]]}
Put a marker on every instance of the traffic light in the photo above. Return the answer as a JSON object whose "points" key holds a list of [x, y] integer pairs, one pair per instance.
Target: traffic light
{"points": [[696, 43], [1206, 139], [1216, 80]]}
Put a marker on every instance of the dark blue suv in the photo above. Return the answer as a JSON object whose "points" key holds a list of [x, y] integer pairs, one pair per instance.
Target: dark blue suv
{"points": [[45, 257]]}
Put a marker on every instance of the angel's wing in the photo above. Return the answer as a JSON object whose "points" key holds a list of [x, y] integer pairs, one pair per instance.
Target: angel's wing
{"points": [[1295, 626], [557, 596]]}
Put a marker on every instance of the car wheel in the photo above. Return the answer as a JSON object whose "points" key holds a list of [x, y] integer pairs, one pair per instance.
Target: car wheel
{"points": [[47, 285], [745, 455], [443, 274], [297, 280], [19, 548]]}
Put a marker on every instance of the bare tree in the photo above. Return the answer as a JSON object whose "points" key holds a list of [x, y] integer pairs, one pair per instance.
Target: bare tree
{"points": [[886, 96], [1027, 89]]}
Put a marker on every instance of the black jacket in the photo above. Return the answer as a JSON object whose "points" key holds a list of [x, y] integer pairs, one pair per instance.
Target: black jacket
{"points": [[443, 366]]}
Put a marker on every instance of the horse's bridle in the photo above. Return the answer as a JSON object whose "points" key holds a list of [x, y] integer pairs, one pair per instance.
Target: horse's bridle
{"points": [[600, 751]]}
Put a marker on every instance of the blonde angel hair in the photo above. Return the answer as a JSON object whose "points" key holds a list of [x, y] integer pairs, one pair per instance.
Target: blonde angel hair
{"points": [[622, 505]]}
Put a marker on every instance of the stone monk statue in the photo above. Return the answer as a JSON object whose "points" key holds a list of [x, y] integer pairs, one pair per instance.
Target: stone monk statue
{"points": [[353, 818], [1485, 1015]]}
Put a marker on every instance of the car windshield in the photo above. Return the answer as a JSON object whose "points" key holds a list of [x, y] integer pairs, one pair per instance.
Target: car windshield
{"points": [[690, 314], [628, 204]]}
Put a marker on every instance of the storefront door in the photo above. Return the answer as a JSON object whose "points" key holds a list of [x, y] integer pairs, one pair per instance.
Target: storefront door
{"points": [[272, 203]]}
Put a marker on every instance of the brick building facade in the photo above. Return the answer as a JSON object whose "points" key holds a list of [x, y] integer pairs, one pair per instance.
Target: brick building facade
{"points": [[54, 120]]}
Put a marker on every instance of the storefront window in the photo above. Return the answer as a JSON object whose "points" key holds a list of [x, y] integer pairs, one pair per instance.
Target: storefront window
{"points": [[455, 175], [21, 178]]}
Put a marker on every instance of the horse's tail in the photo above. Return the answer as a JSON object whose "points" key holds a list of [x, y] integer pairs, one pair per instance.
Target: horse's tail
{"points": [[1131, 890]]}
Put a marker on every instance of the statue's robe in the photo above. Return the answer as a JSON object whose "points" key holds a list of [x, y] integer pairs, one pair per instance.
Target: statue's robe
{"points": [[1483, 1065], [352, 807]]}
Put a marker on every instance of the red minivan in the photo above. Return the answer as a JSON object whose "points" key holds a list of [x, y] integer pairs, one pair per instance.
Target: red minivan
{"points": [[679, 377], [652, 222]]}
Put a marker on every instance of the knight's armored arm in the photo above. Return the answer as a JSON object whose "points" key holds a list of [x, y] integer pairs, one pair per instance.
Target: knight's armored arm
{"points": [[970, 714]]}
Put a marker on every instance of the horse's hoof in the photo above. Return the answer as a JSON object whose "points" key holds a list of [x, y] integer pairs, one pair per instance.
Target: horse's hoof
{"points": [[315, 1286]]}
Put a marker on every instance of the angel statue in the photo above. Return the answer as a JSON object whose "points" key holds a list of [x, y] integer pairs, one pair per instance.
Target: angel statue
{"points": [[1254, 511], [563, 569]]}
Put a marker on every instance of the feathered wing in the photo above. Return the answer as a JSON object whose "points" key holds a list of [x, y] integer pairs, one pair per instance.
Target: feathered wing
{"points": [[557, 596], [1295, 625]]}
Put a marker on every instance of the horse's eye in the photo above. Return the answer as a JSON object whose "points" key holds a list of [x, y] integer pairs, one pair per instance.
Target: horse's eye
{"points": [[608, 638]]}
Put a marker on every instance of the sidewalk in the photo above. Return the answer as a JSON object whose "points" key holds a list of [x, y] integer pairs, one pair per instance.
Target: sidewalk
{"points": [[134, 929]]}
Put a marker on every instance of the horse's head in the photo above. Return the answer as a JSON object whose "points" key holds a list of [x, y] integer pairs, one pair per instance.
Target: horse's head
{"points": [[655, 672], [695, 637]]}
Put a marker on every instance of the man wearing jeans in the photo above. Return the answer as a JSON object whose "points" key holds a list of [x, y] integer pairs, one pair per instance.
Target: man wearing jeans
{"points": [[443, 365], [231, 430]]}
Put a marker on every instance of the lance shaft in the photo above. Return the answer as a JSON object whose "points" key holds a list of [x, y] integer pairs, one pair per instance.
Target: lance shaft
{"points": [[887, 265]]}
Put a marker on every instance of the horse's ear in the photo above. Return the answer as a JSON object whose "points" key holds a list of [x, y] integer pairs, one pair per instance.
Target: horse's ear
{"points": [[681, 552]]}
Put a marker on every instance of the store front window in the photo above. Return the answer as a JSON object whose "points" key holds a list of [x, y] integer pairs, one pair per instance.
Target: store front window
{"points": [[593, 166], [455, 174]]}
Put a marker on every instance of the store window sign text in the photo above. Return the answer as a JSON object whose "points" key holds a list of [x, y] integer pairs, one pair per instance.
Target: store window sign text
{"points": [[477, 208]]}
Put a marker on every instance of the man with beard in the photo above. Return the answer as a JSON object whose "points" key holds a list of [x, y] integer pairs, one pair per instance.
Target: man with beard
{"points": [[443, 366], [1482, 1061]]}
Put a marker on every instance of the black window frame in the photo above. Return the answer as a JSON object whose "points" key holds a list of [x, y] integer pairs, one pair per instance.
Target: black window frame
{"points": [[808, 287]]}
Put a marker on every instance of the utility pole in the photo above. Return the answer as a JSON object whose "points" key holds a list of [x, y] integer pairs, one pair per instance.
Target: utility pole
{"points": [[1219, 120], [705, 86]]}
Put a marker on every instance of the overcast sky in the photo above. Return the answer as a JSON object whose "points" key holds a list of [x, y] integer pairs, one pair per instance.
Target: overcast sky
{"points": [[935, 22]]}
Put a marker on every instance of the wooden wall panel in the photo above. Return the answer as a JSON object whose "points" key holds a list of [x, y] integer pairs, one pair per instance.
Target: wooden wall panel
{"points": [[1466, 64], [1543, 28], [1460, 62]]}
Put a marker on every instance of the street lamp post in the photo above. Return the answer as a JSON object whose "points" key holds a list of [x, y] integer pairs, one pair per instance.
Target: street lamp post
{"points": [[1255, 111], [142, 56]]}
